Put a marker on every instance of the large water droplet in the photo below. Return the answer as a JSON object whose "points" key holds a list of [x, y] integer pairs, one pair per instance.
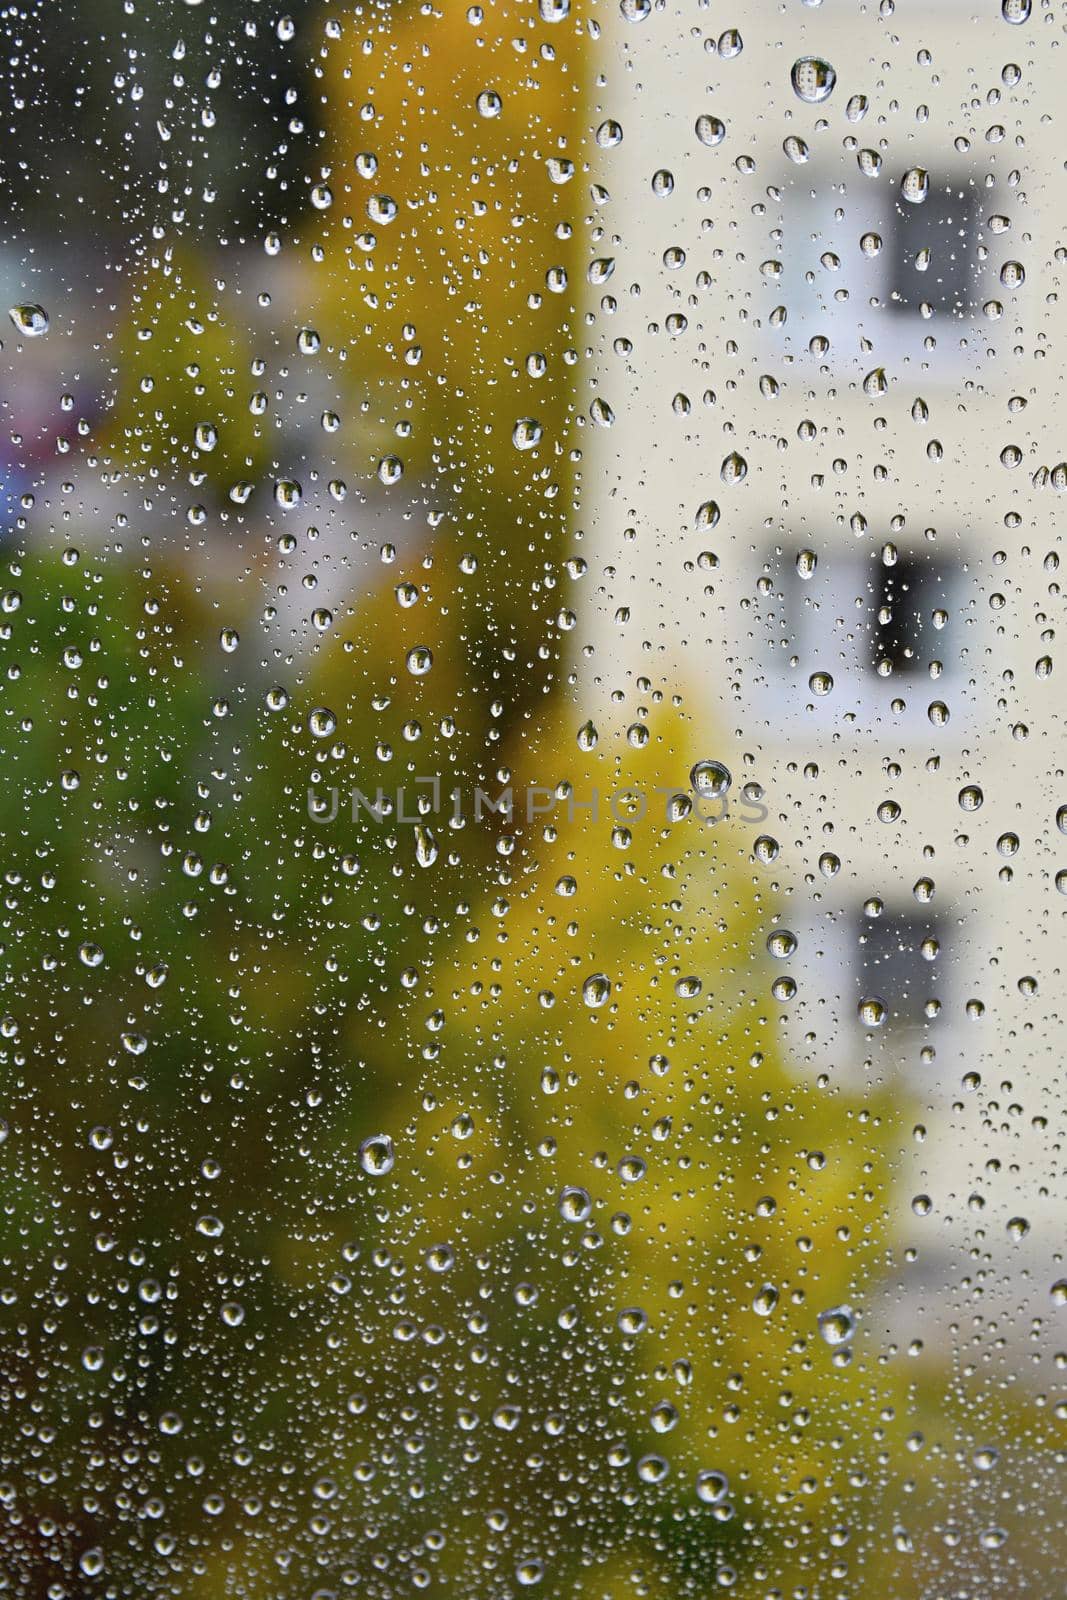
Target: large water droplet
{"points": [[526, 433], [710, 130], [376, 1155], [837, 1325], [915, 185], [32, 320], [872, 1011], [765, 1300], [288, 493], [712, 1487], [596, 990], [575, 1204], [710, 779], [813, 79]]}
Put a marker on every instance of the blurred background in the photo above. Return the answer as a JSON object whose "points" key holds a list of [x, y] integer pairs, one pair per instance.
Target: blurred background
{"points": [[653, 1188]]}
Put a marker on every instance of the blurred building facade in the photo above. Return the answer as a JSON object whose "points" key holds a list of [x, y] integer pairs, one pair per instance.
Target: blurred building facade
{"points": [[829, 511]]}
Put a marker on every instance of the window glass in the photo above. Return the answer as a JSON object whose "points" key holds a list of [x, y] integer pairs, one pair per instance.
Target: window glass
{"points": [[533, 806]]}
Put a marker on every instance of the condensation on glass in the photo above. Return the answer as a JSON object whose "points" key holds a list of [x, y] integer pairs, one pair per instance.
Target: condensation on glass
{"points": [[532, 827]]}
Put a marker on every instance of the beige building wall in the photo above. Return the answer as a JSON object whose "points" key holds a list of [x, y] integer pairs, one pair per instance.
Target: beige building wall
{"points": [[895, 424]]}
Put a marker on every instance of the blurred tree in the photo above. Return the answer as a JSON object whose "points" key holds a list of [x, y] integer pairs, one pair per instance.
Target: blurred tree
{"points": [[185, 373], [454, 230]]}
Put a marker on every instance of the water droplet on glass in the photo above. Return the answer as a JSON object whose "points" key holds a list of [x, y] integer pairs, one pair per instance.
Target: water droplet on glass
{"points": [[710, 130], [526, 433], [837, 1325], [710, 779], [31, 320], [440, 1258], [288, 493], [813, 79], [765, 1300], [872, 1012], [631, 1321], [382, 209], [712, 1487], [596, 990], [376, 1155], [915, 185], [575, 1204]]}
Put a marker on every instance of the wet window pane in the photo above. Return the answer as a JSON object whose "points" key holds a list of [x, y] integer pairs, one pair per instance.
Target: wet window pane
{"points": [[533, 809]]}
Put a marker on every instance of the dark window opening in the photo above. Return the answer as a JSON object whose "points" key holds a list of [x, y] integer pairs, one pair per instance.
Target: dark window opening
{"points": [[931, 253], [892, 966], [904, 599]]}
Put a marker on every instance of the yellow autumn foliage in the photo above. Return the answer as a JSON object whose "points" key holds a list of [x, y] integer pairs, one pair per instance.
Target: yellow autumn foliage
{"points": [[712, 1169]]}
